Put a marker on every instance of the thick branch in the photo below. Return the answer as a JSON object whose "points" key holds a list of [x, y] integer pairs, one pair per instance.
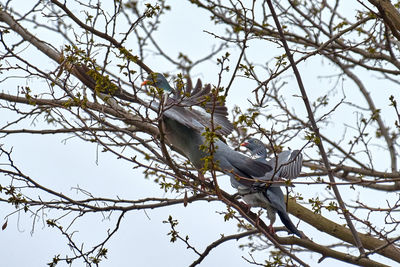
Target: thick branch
{"points": [[341, 232], [327, 252], [389, 14]]}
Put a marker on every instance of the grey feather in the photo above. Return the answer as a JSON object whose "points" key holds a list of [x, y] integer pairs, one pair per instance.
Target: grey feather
{"points": [[271, 197], [184, 121], [286, 164], [193, 108], [239, 167]]}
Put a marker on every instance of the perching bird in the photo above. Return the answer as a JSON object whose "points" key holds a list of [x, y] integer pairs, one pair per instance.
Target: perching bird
{"points": [[271, 197], [188, 114], [286, 164]]}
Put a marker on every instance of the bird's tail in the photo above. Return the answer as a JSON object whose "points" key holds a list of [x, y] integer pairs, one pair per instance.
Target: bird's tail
{"points": [[289, 224]]}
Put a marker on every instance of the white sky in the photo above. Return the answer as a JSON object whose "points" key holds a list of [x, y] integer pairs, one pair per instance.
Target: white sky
{"points": [[142, 239]]}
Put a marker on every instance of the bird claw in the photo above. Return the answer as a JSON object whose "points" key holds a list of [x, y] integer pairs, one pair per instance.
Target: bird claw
{"points": [[271, 229], [203, 180]]}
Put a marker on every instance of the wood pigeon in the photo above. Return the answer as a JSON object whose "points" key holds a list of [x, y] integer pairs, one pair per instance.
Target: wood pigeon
{"points": [[286, 164], [271, 197], [188, 114]]}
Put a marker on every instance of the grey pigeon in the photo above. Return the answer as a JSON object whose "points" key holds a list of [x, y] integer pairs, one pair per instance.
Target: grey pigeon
{"points": [[271, 197], [286, 164], [185, 119], [191, 107]]}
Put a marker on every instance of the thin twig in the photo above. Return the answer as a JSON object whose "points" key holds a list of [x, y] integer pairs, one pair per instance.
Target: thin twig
{"points": [[316, 131]]}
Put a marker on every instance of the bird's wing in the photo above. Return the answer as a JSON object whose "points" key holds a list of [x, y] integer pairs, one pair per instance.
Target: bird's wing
{"points": [[196, 89], [202, 106], [292, 169], [245, 167], [220, 123], [288, 165]]}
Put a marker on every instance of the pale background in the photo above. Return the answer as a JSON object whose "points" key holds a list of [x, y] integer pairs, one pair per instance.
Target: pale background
{"points": [[62, 164]]}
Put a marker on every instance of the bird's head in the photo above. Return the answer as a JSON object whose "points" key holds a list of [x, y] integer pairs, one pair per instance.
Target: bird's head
{"points": [[255, 146], [252, 143], [157, 80]]}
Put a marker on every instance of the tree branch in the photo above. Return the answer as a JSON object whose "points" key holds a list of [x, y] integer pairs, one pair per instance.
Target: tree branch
{"points": [[341, 232], [316, 131]]}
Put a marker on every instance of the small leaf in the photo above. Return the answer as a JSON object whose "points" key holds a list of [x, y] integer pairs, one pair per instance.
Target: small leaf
{"points": [[4, 225]]}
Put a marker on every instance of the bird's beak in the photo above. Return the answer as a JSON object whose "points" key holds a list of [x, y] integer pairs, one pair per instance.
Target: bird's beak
{"points": [[145, 82], [244, 144]]}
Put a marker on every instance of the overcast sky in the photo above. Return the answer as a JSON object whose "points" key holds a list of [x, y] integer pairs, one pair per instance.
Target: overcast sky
{"points": [[64, 163]]}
